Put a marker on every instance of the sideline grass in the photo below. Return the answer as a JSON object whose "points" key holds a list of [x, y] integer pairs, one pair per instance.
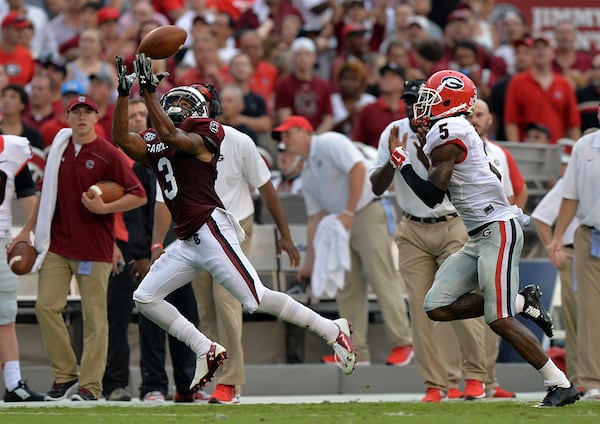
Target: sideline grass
{"points": [[504, 412]]}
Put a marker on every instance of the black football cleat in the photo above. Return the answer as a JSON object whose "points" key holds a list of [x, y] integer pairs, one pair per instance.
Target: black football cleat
{"points": [[559, 396], [535, 311]]}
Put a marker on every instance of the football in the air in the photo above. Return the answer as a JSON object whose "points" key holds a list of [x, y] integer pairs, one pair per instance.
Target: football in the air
{"points": [[162, 42], [109, 191], [21, 258]]}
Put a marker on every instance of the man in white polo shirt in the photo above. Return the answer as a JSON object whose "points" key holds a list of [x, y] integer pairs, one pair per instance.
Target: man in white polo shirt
{"points": [[581, 199], [335, 181]]}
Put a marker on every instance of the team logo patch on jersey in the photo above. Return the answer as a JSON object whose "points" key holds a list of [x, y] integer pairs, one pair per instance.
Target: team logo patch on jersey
{"points": [[89, 164], [487, 232], [453, 83], [149, 136], [213, 127]]}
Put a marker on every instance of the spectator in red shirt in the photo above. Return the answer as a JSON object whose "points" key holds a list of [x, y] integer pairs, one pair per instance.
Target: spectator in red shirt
{"points": [[265, 76], [172, 9], [57, 72], [374, 117], [266, 16], [102, 89], [41, 108], [303, 93], [69, 90], [543, 96], [209, 68], [572, 63], [14, 55]]}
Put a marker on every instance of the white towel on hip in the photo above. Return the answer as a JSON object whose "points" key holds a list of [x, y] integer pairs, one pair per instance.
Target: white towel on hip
{"points": [[48, 197], [332, 257]]}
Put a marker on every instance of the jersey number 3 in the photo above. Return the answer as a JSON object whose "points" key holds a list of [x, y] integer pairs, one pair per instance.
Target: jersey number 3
{"points": [[165, 167]]}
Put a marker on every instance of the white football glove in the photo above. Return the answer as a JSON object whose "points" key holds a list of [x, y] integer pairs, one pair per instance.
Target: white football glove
{"points": [[399, 158]]}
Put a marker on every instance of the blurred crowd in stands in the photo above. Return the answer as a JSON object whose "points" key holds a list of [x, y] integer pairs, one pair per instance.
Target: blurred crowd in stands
{"points": [[341, 64]]}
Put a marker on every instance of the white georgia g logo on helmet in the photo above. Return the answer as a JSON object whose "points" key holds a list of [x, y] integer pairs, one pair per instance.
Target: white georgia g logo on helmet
{"points": [[453, 83]]}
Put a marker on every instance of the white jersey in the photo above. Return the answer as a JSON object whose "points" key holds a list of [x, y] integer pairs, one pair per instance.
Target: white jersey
{"points": [[408, 201], [498, 159], [15, 152], [474, 189]]}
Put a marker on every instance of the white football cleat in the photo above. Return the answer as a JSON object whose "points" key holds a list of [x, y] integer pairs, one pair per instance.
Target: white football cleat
{"points": [[345, 354], [206, 365]]}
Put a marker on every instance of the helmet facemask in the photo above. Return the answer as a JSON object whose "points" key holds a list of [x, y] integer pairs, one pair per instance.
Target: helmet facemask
{"points": [[171, 104], [446, 93]]}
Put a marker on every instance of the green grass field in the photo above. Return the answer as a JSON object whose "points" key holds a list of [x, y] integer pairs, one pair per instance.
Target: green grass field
{"points": [[504, 412]]}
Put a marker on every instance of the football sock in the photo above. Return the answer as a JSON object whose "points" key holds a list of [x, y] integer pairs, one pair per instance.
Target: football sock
{"points": [[286, 308], [167, 317], [553, 376], [519, 303], [12, 374], [190, 335]]}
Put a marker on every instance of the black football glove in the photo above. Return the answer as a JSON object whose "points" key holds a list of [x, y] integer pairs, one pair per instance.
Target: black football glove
{"points": [[124, 81], [143, 68]]}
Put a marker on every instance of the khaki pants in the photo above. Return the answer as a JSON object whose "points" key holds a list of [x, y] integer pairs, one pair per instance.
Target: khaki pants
{"points": [[569, 315], [440, 358], [372, 263], [587, 270], [221, 318], [54, 279]]}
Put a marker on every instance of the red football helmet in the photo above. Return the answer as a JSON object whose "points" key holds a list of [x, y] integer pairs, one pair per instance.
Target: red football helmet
{"points": [[446, 93]]}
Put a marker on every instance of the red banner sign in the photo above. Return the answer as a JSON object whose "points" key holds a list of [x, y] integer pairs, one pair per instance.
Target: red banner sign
{"points": [[543, 15]]}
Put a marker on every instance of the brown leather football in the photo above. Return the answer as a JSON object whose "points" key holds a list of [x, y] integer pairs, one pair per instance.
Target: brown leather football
{"points": [[162, 42], [21, 258], [108, 190]]}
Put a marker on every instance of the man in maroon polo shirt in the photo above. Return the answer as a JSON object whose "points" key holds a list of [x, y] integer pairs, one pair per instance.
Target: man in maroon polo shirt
{"points": [[75, 237]]}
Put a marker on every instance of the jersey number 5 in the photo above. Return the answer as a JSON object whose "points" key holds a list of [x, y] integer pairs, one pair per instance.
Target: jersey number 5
{"points": [[444, 131]]}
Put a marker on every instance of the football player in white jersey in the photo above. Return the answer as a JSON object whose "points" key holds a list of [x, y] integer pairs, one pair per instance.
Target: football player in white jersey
{"points": [[15, 177], [489, 261]]}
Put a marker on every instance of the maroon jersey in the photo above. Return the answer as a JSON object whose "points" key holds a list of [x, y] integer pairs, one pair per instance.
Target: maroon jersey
{"points": [[78, 233], [187, 183]]}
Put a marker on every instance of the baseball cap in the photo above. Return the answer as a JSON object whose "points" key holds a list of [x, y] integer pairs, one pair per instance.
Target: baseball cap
{"points": [[411, 88], [84, 99], [525, 41], [54, 62], [392, 67], [543, 39], [107, 14], [460, 14], [72, 87], [537, 126], [303, 43], [353, 28], [102, 77], [291, 122], [16, 20], [420, 21]]}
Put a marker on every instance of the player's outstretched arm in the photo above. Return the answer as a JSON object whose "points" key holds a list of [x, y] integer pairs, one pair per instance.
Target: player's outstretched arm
{"points": [[131, 143], [433, 190]]}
